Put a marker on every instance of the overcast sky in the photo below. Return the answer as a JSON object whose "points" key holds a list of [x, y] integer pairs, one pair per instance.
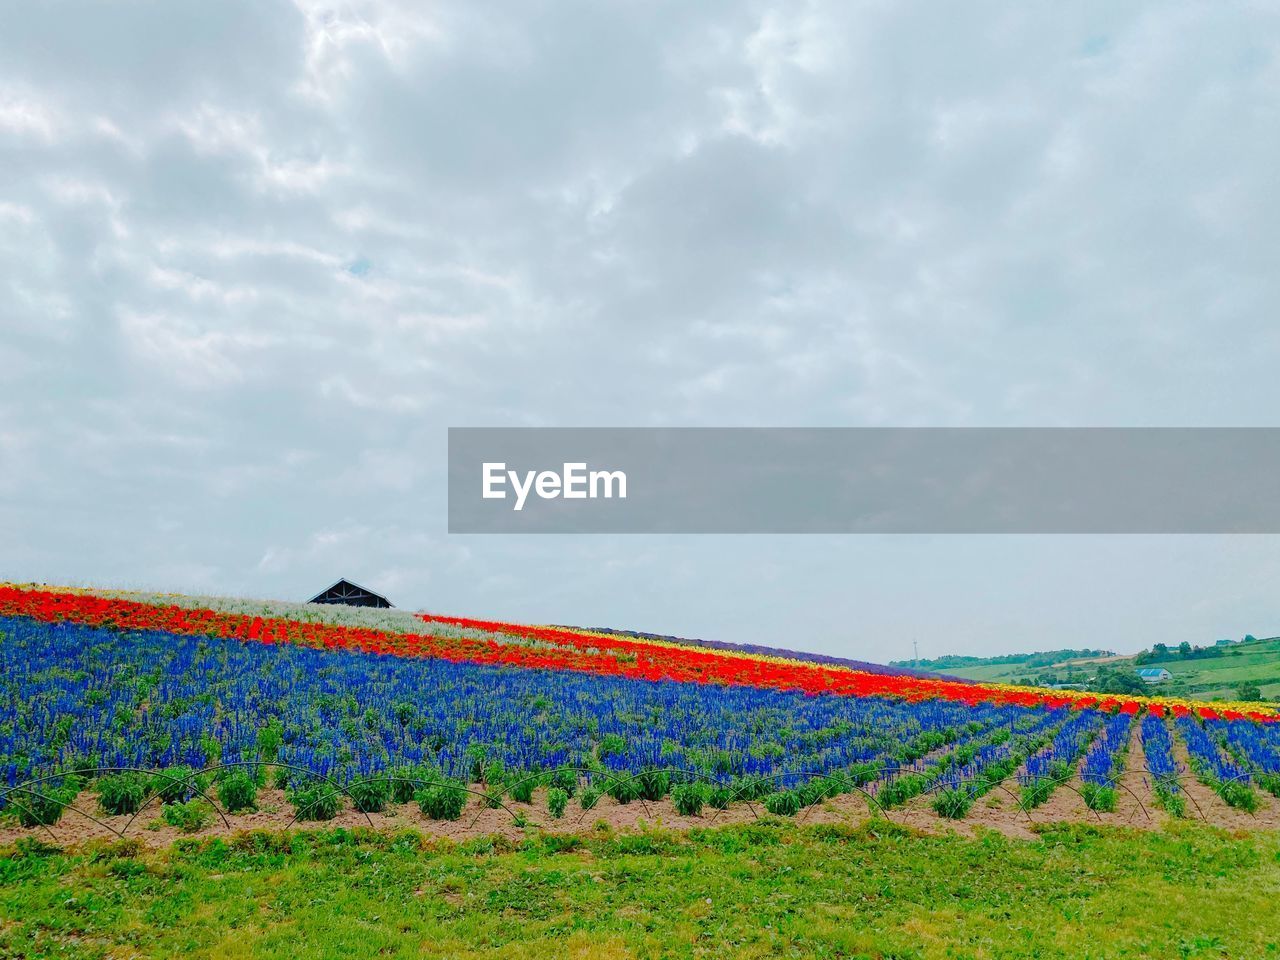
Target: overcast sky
{"points": [[256, 257]]}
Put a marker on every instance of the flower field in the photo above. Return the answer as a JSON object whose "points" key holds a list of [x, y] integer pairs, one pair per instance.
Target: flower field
{"points": [[142, 699]]}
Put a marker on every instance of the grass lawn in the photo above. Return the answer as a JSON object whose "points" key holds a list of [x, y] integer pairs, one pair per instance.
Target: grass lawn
{"points": [[1257, 662], [764, 890], [992, 672]]}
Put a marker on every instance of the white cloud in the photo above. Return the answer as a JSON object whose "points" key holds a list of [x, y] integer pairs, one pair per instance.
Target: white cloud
{"points": [[341, 388], [311, 236], [177, 347], [26, 117]]}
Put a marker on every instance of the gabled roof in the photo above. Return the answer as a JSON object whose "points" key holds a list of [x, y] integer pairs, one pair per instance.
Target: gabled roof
{"points": [[1151, 671], [350, 593]]}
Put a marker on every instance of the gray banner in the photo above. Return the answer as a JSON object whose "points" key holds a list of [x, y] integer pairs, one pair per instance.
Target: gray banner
{"points": [[864, 480]]}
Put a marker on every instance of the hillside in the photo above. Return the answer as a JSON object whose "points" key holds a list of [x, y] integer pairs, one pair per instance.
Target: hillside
{"points": [[1215, 677], [1041, 659], [225, 777]]}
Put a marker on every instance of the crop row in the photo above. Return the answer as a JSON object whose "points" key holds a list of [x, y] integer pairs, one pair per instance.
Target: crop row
{"points": [[1104, 762], [1230, 779]]}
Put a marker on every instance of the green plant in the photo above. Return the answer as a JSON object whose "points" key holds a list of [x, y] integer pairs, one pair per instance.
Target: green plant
{"points": [[443, 801], [785, 803], [122, 792], [407, 781], [370, 796], [611, 744], [720, 797], [860, 774], [1170, 796], [754, 787], [654, 784], [1037, 792], [317, 801], [901, 789], [689, 798], [1270, 782], [1098, 797], [176, 784], [522, 789], [566, 779], [237, 791], [1238, 794], [557, 800], [923, 744], [269, 740], [474, 756], [819, 789], [623, 789], [189, 816], [404, 711], [953, 803], [495, 776], [589, 797], [960, 756], [44, 806]]}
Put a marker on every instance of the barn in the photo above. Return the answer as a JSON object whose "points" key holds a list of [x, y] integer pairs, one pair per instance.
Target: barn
{"points": [[351, 594]]}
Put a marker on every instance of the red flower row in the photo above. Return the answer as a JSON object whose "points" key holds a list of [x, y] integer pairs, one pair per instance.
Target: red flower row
{"points": [[670, 661]]}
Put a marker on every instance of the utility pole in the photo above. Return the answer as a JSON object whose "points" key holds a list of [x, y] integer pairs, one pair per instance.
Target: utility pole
{"points": [[915, 650]]}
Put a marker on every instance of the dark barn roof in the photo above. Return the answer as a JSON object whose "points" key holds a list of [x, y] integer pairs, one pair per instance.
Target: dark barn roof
{"points": [[352, 594]]}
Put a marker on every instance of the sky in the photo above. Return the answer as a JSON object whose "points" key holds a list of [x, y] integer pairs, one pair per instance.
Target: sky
{"points": [[256, 257]]}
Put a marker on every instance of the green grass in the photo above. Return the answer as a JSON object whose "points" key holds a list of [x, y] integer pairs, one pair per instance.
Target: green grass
{"points": [[1257, 662], [768, 889], [993, 672]]}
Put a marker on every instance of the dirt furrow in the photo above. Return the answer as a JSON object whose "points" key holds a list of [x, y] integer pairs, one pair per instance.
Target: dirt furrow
{"points": [[1203, 802]]}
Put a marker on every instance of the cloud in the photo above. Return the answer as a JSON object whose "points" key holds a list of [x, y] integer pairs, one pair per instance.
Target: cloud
{"points": [[25, 118], [256, 257]]}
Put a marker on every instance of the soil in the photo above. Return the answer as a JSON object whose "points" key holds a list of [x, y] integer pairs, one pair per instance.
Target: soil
{"points": [[274, 812], [1136, 807]]}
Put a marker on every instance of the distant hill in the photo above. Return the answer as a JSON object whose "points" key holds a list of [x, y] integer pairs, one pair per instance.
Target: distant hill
{"points": [[1042, 659], [1215, 671]]}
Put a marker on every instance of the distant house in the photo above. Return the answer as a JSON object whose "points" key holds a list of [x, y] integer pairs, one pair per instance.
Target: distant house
{"points": [[351, 594], [1155, 674]]}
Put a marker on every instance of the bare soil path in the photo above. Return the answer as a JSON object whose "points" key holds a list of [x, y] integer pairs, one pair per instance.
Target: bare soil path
{"points": [[1136, 804], [999, 810]]}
